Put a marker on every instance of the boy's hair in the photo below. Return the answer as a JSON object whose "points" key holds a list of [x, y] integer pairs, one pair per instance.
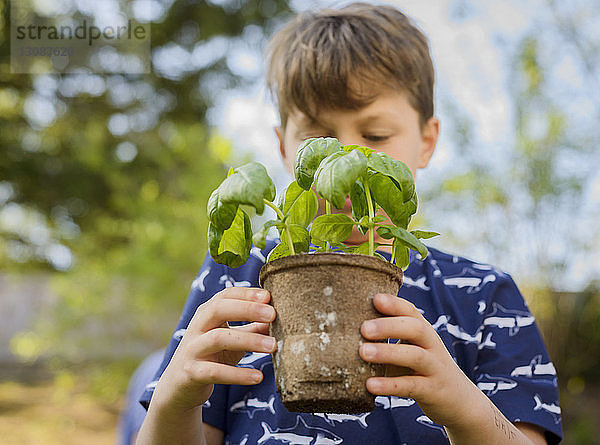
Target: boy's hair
{"points": [[339, 58]]}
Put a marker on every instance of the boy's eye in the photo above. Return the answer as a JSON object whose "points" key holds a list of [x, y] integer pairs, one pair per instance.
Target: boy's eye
{"points": [[374, 138]]}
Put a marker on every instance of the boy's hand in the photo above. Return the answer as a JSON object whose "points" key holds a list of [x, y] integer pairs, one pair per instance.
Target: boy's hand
{"points": [[437, 383], [210, 349]]}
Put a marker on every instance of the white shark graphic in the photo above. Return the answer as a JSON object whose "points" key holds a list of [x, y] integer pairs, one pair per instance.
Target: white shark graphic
{"points": [[506, 318], [319, 436], [487, 343], [481, 305], [198, 283], [436, 269], [419, 282], [251, 405], [535, 367], [332, 418], [424, 420], [473, 284], [494, 384], [391, 402], [178, 334], [551, 408], [443, 323], [255, 252], [248, 361], [230, 282]]}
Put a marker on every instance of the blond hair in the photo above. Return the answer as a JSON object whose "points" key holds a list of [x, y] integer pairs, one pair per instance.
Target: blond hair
{"points": [[344, 58]]}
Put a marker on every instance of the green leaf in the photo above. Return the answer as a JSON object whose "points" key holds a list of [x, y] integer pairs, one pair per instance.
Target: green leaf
{"points": [[402, 236], [396, 170], [336, 174], [422, 234], [332, 228], [364, 248], [299, 205], [249, 184], [389, 197], [279, 251], [300, 240], [260, 238], [359, 201], [300, 237], [364, 150], [308, 157], [379, 218], [401, 255], [220, 214], [231, 246]]}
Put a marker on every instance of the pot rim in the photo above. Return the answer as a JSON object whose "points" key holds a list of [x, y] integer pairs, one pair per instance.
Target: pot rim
{"points": [[302, 260]]}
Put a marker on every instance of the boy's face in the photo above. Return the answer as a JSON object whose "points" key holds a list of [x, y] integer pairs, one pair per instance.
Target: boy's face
{"points": [[389, 124]]}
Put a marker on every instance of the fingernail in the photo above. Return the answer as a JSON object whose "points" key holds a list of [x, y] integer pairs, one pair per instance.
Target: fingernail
{"points": [[256, 376], [266, 312], [368, 350], [369, 327], [269, 343], [261, 294]]}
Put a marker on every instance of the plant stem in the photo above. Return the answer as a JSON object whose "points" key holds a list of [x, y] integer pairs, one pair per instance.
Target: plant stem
{"points": [[287, 229], [371, 216], [328, 212], [393, 259]]}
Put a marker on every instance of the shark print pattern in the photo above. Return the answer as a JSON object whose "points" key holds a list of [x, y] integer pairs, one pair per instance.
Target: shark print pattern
{"points": [[316, 436], [490, 385], [551, 408], [250, 405], [535, 367], [332, 418], [513, 320], [424, 420], [476, 309]]}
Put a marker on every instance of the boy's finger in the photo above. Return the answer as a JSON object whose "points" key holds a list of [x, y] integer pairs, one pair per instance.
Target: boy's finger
{"points": [[409, 386], [215, 312], [412, 330], [393, 305], [224, 339], [204, 372], [257, 327], [244, 293], [402, 355]]}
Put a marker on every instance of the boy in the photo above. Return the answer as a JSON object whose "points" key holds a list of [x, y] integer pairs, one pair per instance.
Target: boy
{"points": [[480, 372]]}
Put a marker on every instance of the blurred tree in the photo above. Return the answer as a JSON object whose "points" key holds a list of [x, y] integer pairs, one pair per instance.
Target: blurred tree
{"points": [[105, 177], [532, 208]]}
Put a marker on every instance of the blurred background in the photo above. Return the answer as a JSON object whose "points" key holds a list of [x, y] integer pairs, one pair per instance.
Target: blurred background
{"points": [[104, 179]]}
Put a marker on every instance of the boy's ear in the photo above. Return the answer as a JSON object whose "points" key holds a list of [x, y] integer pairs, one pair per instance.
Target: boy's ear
{"points": [[279, 132], [431, 131]]}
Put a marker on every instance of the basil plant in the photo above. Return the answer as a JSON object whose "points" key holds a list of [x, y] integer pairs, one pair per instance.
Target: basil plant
{"points": [[371, 179]]}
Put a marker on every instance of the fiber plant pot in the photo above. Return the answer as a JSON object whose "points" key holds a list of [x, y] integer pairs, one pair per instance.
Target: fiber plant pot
{"points": [[321, 301]]}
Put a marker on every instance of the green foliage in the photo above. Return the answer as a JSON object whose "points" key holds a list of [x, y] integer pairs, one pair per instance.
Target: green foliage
{"points": [[371, 179], [127, 203]]}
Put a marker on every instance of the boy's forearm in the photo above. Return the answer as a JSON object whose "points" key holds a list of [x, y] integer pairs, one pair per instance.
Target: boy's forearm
{"points": [[485, 424], [183, 428]]}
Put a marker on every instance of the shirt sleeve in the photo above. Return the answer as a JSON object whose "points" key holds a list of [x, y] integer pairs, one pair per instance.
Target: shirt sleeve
{"points": [[514, 369]]}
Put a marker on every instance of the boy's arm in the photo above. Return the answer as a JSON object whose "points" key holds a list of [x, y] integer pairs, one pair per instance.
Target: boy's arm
{"points": [[444, 393], [207, 355]]}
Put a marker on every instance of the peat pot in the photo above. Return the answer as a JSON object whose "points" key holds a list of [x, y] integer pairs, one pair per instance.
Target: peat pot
{"points": [[321, 301]]}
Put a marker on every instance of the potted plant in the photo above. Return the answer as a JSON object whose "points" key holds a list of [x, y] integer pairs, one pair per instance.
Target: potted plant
{"points": [[321, 298]]}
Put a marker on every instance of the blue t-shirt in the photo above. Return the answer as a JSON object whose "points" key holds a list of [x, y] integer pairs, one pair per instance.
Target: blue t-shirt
{"points": [[476, 309]]}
